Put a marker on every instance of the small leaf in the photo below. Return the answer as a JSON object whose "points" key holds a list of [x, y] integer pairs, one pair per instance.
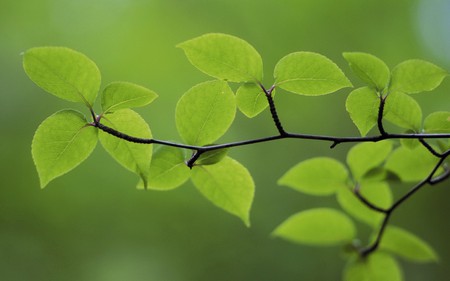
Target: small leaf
{"points": [[321, 227], [133, 156], [61, 143], [437, 122], [369, 68], [407, 245], [309, 74], [403, 111], [228, 185], [251, 99], [409, 143], [167, 169], [376, 267], [378, 193], [63, 72], [224, 57], [364, 157], [205, 112], [415, 76], [362, 104], [121, 95], [411, 165], [317, 176], [212, 157]]}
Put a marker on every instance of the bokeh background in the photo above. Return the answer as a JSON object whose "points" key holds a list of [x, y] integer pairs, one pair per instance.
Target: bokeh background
{"points": [[92, 224]]}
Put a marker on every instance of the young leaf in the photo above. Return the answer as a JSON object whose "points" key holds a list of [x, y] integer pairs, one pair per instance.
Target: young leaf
{"points": [[64, 73], [212, 157], [376, 267], [437, 122], [362, 104], [205, 112], [409, 143], [407, 245], [317, 176], [61, 143], [228, 185], [363, 157], [321, 227], [121, 95], [133, 156], [251, 99], [369, 68], [403, 111], [378, 193], [167, 169], [415, 76], [411, 164], [224, 57], [309, 74]]}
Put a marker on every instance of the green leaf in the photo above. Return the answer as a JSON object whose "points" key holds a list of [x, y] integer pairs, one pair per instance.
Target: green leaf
{"points": [[369, 68], [376, 267], [316, 176], [205, 112], [61, 143], [411, 165], [378, 193], [64, 73], [437, 122], [167, 169], [251, 99], [228, 185], [133, 156], [415, 76], [121, 95], [403, 111], [321, 226], [407, 245], [409, 143], [224, 57], [362, 104], [363, 157], [212, 157], [309, 74]]}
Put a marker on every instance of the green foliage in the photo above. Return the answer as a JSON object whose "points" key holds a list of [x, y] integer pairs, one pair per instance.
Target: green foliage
{"points": [[310, 74], [224, 57], [121, 95], [212, 157], [369, 68], [64, 73], [228, 185], [362, 105], [251, 99], [437, 122], [205, 112], [403, 111], [376, 267], [322, 226], [61, 143]]}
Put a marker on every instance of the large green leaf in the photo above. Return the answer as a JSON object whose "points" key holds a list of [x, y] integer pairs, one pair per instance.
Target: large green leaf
{"points": [[369, 68], [61, 143], [133, 156], [437, 122], [167, 169], [64, 73], [362, 104], [404, 111], [376, 267], [228, 185], [322, 227], [411, 165], [224, 57], [407, 245], [363, 157], [121, 95], [378, 193], [316, 176], [205, 112], [251, 99], [310, 74], [415, 76]]}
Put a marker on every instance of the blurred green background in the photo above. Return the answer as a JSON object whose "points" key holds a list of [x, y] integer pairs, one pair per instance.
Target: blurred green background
{"points": [[92, 224]]}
